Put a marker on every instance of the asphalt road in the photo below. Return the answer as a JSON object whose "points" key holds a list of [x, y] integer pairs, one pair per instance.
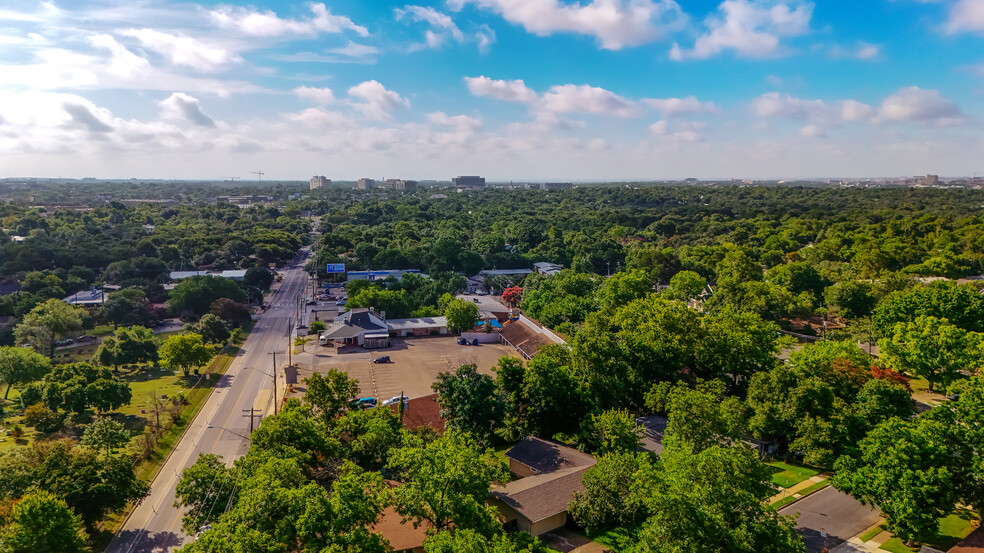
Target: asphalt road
{"points": [[221, 427], [833, 513]]}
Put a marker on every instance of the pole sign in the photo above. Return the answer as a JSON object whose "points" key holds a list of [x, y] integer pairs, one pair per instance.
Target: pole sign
{"points": [[336, 268]]}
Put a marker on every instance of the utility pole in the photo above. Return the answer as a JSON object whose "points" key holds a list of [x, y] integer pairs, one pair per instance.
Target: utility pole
{"points": [[252, 413], [275, 402]]}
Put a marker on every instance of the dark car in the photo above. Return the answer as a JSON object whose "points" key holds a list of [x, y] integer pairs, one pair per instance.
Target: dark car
{"points": [[312, 302], [365, 402], [383, 359]]}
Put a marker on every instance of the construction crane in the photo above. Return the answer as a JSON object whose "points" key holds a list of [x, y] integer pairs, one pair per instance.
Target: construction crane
{"points": [[259, 174]]}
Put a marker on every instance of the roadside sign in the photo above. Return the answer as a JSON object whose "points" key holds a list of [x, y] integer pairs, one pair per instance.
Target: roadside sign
{"points": [[336, 268]]}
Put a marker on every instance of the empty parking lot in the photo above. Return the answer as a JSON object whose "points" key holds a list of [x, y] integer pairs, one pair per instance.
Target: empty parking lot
{"points": [[415, 363]]}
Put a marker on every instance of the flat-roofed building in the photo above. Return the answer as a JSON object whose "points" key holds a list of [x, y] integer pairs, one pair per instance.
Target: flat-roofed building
{"points": [[468, 181], [365, 184], [320, 181]]}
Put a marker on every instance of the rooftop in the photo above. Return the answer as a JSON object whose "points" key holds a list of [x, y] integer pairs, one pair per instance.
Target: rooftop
{"points": [[545, 456]]}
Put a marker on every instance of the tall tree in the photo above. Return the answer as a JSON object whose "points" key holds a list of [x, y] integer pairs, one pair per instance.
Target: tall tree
{"points": [[331, 394], [446, 482], [41, 521], [933, 349], [127, 345], [19, 366], [462, 315], [105, 434], [185, 351], [906, 469], [469, 401], [47, 321], [196, 294]]}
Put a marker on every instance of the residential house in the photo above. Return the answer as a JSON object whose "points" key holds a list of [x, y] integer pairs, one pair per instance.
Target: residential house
{"points": [[550, 474]]}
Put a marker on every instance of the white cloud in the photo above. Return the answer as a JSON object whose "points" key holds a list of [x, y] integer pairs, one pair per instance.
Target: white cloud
{"points": [[661, 130], [377, 101], [917, 105], [569, 98], [317, 118], [123, 62], [862, 51], [907, 105], [180, 106], [966, 15], [183, 50], [320, 96], [459, 122], [812, 131], [510, 91], [681, 106], [443, 29], [752, 28], [616, 24], [268, 24]]}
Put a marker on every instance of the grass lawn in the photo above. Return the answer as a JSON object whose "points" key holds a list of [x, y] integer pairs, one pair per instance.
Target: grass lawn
{"points": [[616, 540], [870, 534], [952, 529], [787, 475]]}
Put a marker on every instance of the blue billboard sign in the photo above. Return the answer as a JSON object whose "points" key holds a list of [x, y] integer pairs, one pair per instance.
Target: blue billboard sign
{"points": [[336, 268]]}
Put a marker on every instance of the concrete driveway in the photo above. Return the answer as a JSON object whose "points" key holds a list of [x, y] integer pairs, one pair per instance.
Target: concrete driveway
{"points": [[833, 513]]}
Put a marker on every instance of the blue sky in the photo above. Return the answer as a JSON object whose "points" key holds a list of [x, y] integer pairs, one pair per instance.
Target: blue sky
{"points": [[510, 89]]}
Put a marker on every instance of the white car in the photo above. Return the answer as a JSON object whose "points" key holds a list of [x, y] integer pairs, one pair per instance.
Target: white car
{"points": [[396, 399]]}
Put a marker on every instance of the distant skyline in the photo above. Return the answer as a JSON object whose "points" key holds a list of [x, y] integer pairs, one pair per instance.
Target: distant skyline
{"points": [[524, 89]]}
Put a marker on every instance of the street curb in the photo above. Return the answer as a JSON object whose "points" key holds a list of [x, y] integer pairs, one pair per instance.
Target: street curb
{"points": [[802, 497]]}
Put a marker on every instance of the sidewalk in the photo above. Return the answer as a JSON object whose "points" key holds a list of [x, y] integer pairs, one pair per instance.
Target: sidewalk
{"points": [[794, 490]]}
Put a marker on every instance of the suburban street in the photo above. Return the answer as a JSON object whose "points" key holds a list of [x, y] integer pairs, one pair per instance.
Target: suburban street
{"points": [[221, 426], [829, 518]]}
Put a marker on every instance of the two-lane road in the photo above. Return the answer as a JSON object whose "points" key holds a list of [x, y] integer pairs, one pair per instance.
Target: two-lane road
{"points": [[221, 427]]}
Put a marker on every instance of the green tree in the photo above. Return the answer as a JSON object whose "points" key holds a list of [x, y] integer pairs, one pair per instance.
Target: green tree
{"points": [[607, 501], [211, 328], [42, 522], [47, 321], [196, 294], [701, 416], [105, 434], [127, 345], [617, 431], [185, 351], [446, 482], [395, 303], [623, 287], [726, 513], [206, 483], [462, 315], [331, 394], [19, 366], [368, 436], [852, 298], [316, 327], [906, 469], [685, 285], [261, 277], [469, 401], [933, 349], [468, 541], [961, 304], [233, 313], [76, 387]]}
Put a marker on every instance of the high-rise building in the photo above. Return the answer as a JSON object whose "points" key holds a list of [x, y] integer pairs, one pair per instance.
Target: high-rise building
{"points": [[468, 181], [320, 182], [366, 184]]}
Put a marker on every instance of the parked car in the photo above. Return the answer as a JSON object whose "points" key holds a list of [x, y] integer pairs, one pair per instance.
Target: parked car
{"points": [[383, 359], [396, 399], [341, 302], [85, 338], [365, 402], [300, 326], [312, 302], [462, 342]]}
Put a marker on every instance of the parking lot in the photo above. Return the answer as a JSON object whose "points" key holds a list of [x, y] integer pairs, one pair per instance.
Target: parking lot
{"points": [[415, 363]]}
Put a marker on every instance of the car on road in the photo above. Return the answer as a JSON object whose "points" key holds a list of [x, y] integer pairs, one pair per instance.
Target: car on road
{"points": [[396, 399], [341, 302], [383, 359], [365, 402], [312, 302], [65, 342], [300, 326]]}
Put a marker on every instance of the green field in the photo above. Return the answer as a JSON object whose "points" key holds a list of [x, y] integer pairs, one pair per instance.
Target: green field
{"points": [[786, 475]]}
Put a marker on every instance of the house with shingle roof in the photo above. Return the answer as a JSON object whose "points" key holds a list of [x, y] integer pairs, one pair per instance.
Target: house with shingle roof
{"points": [[550, 474]]}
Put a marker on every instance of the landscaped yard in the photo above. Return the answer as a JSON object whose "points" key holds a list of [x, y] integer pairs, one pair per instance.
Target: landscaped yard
{"points": [[952, 529], [616, 539], [786, 475]]}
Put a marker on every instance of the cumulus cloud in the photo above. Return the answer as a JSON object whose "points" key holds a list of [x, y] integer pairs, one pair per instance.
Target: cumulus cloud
{"points": [[443, 29], [123, 62], [752, 28], [83, 117], [571, 98], [461, 123], [320, 96], [661, 129], [377, 102], [966, 16], [862, 51], [180, 106], [184, 50], [681, 106], [510, 91], [616, 24], [907, 105], [268, 24], [916, 105]]}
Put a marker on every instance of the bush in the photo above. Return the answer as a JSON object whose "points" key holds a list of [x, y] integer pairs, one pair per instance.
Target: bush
{"points": [[44, 420], [16, 431]]}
